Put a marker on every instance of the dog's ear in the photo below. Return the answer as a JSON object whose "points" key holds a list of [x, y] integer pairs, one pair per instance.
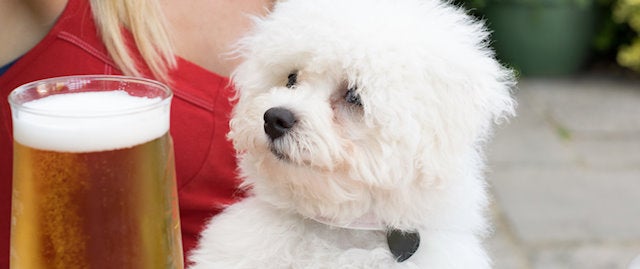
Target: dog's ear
{"points": [[492, 93], [487, 101], [493, 98], [465, 109]]}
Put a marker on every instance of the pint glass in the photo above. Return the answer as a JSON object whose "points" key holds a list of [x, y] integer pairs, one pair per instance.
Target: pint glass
{"points": [[93, 175]]}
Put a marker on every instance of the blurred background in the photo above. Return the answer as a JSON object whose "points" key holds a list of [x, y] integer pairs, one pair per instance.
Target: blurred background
{"points": [[565, 173]]}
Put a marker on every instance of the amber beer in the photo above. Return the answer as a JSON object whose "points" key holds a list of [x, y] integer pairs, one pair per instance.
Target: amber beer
{"points": [[93, 180]]}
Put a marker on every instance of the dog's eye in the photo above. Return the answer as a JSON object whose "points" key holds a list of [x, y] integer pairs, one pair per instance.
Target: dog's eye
{"points": [[352, 97], [292, 79]]}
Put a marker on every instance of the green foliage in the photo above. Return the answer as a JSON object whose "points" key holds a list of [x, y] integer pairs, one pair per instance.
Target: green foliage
{"points": [[479, 4], [628, 12]]}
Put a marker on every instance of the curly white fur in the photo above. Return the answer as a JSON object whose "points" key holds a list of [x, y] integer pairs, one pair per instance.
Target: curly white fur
{"points": [[411, 155]]}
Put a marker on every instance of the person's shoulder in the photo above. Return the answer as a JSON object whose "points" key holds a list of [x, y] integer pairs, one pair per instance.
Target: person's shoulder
{"points": [[44, 10], [24, 22]]}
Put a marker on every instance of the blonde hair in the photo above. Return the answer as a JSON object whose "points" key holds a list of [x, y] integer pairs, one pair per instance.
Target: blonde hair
{"points": [[146, 22]]}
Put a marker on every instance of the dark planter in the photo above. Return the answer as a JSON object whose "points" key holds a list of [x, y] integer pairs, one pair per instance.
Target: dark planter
{"points": [[542, 37]]}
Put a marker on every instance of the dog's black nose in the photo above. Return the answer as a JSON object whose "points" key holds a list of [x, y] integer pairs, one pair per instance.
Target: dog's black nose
{"points": [[278, 121]]}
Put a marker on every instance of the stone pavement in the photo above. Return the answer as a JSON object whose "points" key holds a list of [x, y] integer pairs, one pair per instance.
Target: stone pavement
{"points": [[565, 176]]}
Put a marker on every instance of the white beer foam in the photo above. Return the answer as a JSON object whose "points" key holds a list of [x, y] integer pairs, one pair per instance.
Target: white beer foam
{"points": [[90, 121]]}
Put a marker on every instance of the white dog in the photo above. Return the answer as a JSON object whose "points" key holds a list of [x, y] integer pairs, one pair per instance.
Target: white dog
{"points": [[359, 128]]}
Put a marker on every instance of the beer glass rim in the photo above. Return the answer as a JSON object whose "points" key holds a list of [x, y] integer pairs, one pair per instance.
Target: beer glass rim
{"points": [[16, 103]]}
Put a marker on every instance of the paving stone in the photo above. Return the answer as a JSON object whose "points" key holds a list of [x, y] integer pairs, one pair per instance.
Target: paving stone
{"points": [[587, 105], [565, 175], [567, 204], [606, 152], [503, 247], [528, 138], [587, 256]]}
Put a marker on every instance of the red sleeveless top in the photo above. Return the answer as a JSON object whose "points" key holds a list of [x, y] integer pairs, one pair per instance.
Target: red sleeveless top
{"points": [[205, 160]]}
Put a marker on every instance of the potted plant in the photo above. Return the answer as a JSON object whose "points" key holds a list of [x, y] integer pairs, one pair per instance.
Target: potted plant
{"points": [[540, 37]]}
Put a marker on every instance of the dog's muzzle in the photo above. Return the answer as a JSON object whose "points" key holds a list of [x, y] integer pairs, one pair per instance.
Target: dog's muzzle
{"points": [[278, 121]]}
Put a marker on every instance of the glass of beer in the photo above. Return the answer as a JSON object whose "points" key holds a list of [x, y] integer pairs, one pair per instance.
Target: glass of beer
{"points": [[93, 175]]}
